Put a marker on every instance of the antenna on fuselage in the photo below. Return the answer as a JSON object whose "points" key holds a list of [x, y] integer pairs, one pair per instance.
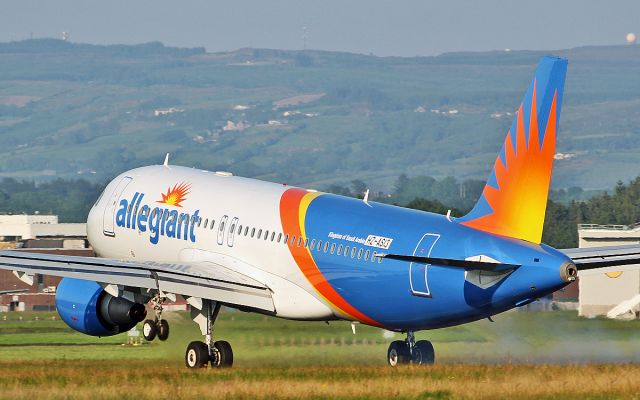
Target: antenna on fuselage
{"points": [[366, 198], [166, 160]]}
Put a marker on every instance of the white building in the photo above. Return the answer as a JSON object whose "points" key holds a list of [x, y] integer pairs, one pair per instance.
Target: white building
{"points": [[607, 289], [23, 227]]}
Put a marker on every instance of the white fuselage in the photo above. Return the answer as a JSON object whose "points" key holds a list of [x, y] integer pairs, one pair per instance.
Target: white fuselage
{"points": [[230, 209]]}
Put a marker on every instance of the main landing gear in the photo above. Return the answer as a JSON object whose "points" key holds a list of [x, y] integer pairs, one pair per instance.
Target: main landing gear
{"points": [[219, 354], [409, 351], [158, 326]]}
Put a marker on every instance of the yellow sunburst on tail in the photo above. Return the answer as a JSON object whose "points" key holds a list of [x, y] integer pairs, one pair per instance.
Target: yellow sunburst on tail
{"points": [[176, 195], [513, 202]]}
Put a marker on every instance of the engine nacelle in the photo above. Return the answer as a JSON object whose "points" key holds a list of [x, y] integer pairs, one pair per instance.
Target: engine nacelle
{"points": [[87, 308]]}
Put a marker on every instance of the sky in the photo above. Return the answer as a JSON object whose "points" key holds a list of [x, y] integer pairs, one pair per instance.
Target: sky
{"points": [[381, 27]]}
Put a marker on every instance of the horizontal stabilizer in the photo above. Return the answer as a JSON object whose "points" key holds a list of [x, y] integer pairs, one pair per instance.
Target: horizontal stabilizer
{"points": [[452, 263], [604, 257]]}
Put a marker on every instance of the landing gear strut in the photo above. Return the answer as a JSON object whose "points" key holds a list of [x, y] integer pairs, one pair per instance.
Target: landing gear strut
{"points": [[409, 351], [219, 354], [157, 327]]}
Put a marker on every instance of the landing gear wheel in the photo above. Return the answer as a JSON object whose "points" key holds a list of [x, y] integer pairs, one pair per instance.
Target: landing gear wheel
{"points": [[197, 355], [223, 357], [149, 330], [398, 353], [163, 329], [423, 353]]}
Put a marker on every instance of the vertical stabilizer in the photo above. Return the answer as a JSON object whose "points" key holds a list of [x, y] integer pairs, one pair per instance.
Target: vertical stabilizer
{"points": [[514, 199]]}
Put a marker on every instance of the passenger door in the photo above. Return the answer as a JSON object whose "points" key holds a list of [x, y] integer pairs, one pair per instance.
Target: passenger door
{"points": [[108, 219]]}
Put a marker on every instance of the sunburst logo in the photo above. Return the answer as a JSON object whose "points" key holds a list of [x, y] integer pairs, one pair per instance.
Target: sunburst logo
{"points": [[176, 195], [523, 177]]}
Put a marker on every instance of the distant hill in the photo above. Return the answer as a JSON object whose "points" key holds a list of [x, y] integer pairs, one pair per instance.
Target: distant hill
{"points": [[304, 117]]}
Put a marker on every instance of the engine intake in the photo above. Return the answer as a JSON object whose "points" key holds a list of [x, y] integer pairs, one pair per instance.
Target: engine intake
{"points": [[87, 308]]}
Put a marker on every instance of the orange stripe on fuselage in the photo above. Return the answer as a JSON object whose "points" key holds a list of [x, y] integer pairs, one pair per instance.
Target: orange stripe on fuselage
{"points": [[293, 210]]}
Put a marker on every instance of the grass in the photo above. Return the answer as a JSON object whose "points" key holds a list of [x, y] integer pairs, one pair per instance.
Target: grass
{"points": [[144, 380], [523, 355]]}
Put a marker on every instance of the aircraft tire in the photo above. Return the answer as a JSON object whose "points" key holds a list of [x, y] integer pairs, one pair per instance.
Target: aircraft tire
{"points": [[149, 330], [163, 329], [224, 356], [398, 353], [423, 353], [197, 355]]}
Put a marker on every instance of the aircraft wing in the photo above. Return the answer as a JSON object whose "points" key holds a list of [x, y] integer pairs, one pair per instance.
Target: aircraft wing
{"points": [[625, 257], [205, 280]]}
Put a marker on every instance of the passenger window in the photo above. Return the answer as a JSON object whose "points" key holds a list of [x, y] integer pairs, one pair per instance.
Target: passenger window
{"points": [[300, 242], [366, 255], [206, 222], [286, 239], [253, 231], [353, 252], [199, 222], [340, 250], [319, 245], [280, 237], [246, 230], [266, 235], [259, 233], [379, 260], [239, 229], [313, 243], [273, 235], [326, 246], [346, 251], [186, 219], [373, 257], [333, 248], [213, 222], [359, 254]]}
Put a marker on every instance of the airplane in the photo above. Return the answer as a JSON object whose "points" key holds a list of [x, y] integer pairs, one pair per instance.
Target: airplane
{"points": [[217, 239]]}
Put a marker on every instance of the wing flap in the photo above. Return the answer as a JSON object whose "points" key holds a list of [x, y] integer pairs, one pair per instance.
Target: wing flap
{"points": [[197, 279]]}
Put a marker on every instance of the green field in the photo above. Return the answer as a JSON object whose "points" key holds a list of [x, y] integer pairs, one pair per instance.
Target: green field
{"points": [[510, 358]]}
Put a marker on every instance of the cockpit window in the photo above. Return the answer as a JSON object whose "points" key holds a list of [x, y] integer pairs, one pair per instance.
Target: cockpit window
{"points": [[99, 197]]}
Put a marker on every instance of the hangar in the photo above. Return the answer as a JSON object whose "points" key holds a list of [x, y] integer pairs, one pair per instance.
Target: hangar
{"points": [[612, 293]]}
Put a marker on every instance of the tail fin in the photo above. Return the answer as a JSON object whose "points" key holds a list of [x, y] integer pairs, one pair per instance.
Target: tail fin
{"points": [[514, 199]]}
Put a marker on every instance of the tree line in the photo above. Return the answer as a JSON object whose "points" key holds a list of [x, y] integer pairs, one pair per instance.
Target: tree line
{"points": [[565, 208], [71, 200]]}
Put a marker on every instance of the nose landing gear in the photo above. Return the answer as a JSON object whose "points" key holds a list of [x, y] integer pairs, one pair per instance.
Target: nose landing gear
{"points": [[409, 351], [157, 327]]}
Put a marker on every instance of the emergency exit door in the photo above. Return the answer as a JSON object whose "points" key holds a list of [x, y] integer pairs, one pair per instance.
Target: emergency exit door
{"points": [[418, 273]]}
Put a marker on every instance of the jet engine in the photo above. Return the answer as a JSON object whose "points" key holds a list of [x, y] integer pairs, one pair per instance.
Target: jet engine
{"points": [[87, 308]]}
